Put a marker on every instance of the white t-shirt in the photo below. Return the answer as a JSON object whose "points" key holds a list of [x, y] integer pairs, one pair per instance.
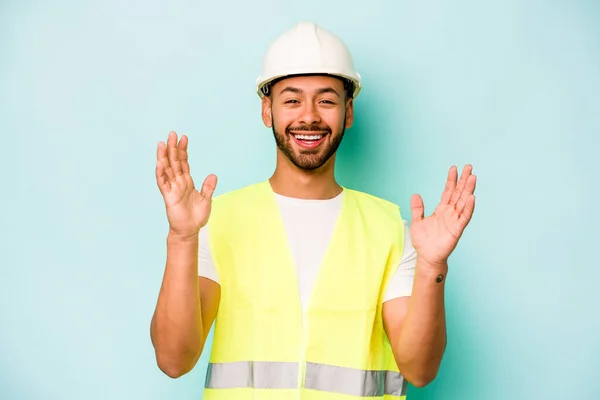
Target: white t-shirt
{"points": [[309, 225]]}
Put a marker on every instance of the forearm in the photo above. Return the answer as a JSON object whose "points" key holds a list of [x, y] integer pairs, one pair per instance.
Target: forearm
{"points": [[176, 329], [422, 340]]}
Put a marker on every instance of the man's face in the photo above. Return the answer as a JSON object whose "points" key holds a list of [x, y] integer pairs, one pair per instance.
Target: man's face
{"points": [[308, 115]]}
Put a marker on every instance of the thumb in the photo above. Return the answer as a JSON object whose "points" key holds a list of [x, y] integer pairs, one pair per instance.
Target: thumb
{"points": [[416, 207], [208, 186]]}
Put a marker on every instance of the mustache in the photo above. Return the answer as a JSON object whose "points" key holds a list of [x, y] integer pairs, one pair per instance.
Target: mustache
{"points": [[309, 128]]}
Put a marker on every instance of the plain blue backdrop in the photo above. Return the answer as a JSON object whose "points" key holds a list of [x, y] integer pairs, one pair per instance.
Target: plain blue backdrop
{"points": [[88, 88]]}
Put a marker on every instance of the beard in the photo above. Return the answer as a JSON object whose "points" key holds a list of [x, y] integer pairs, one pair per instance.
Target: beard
{"points": [[308, 159]]}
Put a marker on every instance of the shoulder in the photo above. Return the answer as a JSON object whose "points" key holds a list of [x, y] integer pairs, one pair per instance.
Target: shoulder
{"points": [[377, 214], [240, 196], [242, 191], [372, 202]]}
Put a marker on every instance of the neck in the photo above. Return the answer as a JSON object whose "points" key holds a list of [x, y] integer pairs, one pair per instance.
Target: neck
{"points": [[291, 181]]}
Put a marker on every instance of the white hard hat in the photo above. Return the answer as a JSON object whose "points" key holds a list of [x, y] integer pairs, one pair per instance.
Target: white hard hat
{"points": [[307, 49]]}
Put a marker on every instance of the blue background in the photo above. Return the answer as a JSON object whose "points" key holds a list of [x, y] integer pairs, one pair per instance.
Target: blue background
{"points": [[89, 88]]}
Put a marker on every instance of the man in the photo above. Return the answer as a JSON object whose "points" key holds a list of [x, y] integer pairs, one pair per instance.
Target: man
{"points": [[317, 291]]}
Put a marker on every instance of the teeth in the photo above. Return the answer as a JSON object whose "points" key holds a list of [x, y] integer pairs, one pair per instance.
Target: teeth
{"points": [[308, 137]]}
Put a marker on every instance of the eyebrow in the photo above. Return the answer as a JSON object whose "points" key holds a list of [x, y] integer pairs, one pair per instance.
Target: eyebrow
{"points": [[292, 89]]}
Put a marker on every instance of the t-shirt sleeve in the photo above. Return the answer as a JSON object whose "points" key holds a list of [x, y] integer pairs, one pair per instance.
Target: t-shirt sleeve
{"points": [[402, 281], [206, 266]]}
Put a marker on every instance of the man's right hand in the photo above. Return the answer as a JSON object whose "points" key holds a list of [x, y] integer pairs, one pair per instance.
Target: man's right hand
{"points": [[187, 209]]}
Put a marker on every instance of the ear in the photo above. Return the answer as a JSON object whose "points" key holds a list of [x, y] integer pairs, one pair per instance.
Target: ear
{"points": [[349, 113], [267, 116]]}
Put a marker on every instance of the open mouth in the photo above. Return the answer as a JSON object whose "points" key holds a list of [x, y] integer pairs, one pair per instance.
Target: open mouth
{"points": [[308, 140]]}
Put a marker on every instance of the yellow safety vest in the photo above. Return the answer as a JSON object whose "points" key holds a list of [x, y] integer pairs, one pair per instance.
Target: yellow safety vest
{"points": [[265, 345]]}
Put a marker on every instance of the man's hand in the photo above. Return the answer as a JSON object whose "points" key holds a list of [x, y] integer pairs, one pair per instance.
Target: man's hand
{"points": [[436, 236], [188, 209]]}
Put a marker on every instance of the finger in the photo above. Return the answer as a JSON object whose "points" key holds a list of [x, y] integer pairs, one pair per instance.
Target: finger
{"points": [[467, 214], [161, 155], [417, 208], [208, 186], [461, 184], [471, 184], [450, 185], [469, 189], [161, 178], [183, 155], [161, 151], [172, 152]]}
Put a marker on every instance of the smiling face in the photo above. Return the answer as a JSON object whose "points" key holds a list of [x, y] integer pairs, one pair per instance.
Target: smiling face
{"points": [[308, 115]]}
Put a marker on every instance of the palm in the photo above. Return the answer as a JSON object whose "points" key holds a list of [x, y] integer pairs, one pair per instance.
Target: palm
{"points": [[188, 209], [435, 237]]}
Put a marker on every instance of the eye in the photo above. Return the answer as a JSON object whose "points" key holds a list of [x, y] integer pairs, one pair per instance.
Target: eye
{"points": [[327, 102], [291, 101]]}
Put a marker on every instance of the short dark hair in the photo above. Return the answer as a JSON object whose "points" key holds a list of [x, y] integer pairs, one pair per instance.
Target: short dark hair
{"points": [[349, 86]]}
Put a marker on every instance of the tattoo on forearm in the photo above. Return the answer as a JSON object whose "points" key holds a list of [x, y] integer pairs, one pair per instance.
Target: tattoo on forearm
{"points": [[439, 278]]}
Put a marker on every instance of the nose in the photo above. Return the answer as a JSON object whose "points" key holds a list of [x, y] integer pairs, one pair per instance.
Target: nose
{"points": [[309, 114]]}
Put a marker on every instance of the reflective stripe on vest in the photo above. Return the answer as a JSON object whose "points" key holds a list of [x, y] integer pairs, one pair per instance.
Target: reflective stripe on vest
{"points": [[284, 375]]}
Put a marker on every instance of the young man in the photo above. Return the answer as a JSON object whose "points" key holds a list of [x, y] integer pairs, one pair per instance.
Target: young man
{"points": [[317, 291]]}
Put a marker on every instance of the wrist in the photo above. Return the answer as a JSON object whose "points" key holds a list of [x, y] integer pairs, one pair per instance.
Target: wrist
{"points": [[432, 265], [175, 237], [432, 271]]}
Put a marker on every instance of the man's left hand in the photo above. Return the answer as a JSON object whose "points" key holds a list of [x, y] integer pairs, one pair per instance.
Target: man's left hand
{"points": [[436, 236]]}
